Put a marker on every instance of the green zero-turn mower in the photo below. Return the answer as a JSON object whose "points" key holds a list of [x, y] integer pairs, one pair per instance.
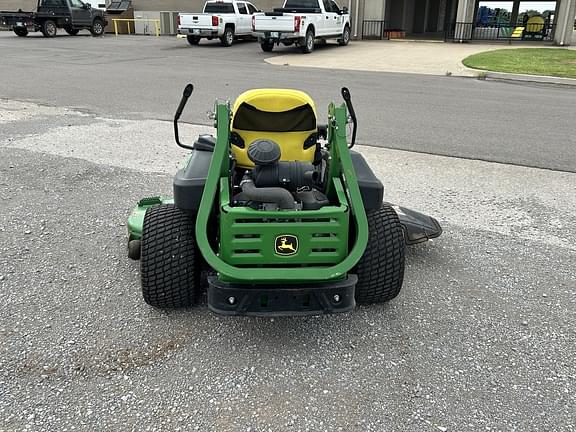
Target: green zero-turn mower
{"points": [[277, 213]]}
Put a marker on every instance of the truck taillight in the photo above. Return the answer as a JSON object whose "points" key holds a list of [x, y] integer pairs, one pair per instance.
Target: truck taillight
{"points": [[214, 21], [297, 21], [253, 23], [178, 20]]}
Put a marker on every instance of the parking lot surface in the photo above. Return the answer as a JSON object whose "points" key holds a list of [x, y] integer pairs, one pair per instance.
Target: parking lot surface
{"points": [[141, 77], [482, 336]]}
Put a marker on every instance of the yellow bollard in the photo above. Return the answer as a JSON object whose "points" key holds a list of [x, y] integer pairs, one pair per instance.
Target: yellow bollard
{"points": [[128, 22], [115, 27]]}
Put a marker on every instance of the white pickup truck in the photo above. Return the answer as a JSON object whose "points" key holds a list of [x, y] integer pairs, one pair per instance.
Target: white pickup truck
{"points": [[302, 22], [226, 20]]}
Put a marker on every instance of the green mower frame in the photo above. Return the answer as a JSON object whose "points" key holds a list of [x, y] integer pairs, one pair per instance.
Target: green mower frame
{"points": [[240, 248]]}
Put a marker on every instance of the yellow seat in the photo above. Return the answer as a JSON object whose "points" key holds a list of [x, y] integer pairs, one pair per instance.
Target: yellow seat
{"points": [[285, 116]]}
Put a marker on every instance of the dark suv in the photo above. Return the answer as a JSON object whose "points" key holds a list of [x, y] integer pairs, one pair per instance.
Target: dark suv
{"points": [[50, 15]]}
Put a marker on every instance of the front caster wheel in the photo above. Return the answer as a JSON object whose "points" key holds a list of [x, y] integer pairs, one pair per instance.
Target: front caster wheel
{"points": [[134, 248]]}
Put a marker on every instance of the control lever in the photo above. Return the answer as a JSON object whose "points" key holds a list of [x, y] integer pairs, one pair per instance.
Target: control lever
{"points": [[185, 96], [348, 101]]}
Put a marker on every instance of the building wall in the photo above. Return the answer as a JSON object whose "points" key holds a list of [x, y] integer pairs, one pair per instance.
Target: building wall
{"points": [[374, 10], [193, 5], [13, 5]]}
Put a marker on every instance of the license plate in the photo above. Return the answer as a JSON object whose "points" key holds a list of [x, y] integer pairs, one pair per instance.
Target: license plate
{"points": [[19, 24], [274, 34], [196, 31]]}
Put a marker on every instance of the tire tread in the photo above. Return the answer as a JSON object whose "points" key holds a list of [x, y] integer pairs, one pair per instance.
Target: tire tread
{"points": [[381, 269], [168, 269]]}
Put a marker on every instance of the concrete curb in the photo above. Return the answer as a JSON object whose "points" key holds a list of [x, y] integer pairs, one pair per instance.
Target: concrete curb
{"points": [[540, 79], [412, 57]]}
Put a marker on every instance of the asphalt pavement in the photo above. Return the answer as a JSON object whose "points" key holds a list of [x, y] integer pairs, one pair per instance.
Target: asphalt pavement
{"points": [[140, 77], [482, 336]]}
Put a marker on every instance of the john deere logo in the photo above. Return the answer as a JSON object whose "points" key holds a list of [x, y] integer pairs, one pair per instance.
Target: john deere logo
{"points": [[286, 244]]}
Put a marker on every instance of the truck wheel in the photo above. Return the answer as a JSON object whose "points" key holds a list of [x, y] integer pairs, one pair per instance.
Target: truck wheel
{"points": [[227, 38], [169, 264], [21, 31], [381, 269], [193, 40], [308, 45], [345, 39], [97, 28], [267, 46], [49, 28], [71, 31]]}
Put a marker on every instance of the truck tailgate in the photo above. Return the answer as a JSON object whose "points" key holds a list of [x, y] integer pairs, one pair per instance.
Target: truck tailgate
{"points": [[277, 23], [201, 21]]}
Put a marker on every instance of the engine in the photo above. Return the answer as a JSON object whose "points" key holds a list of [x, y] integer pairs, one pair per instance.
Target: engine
{"points": [[279, 185]]}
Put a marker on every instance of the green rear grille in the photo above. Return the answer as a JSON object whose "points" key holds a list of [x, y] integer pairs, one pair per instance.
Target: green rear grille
{"points": [[248, 237]]}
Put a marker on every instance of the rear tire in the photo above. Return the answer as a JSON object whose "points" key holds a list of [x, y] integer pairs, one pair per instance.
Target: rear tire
{"points": [[97, 28], [193, 40], [227, 38], [308, 45], [267, 46], [21, 31], [71, 31], [345, 39], [49, 29], [381, 269], [169, 264]]}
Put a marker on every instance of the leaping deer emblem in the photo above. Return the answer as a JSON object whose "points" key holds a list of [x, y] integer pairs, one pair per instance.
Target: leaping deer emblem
{"points": [[286, 246]]}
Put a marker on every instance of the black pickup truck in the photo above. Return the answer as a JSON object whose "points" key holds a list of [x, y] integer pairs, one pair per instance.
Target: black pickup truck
{"points": [[50, 15]]}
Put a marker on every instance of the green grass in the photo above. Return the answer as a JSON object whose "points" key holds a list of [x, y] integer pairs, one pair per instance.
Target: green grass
{"points": [[531, 61]]}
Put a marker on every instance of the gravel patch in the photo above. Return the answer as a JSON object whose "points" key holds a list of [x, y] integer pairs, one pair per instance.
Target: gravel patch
{"points": [[482, 336]]}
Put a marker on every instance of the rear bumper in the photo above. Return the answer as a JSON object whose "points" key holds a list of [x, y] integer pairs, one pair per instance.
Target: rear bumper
{"points": [[281, 300], [276, 36], [199, 32], [11, 22]]}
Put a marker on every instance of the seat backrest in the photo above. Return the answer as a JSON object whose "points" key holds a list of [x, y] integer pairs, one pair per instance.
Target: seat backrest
{"points": [[285, 116]]}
